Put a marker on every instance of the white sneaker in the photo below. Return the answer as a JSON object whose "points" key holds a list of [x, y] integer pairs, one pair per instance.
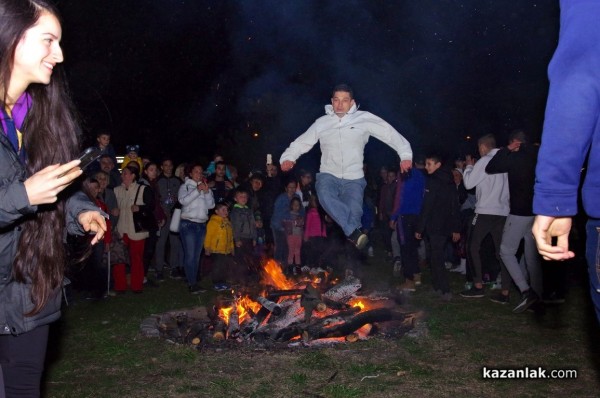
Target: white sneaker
{"points": [[462, 269], [370, 251]]}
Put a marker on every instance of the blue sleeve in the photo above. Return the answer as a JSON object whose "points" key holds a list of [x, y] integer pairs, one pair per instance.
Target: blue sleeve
{"points": [[572, 118]]}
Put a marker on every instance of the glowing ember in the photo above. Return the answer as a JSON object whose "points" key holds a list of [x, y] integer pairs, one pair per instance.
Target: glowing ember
{"points": [[273, 275], [358, 304]]}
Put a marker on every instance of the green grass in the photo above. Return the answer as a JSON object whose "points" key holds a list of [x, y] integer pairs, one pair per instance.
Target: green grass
{"points": [[95, 350]]}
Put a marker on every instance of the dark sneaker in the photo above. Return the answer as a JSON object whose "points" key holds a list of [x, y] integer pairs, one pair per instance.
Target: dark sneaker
{"points": [[500, 298], [160, 277], [196, 289], [176, 273], [528, 298], [359, 239], [554, 298], [473, 293]]}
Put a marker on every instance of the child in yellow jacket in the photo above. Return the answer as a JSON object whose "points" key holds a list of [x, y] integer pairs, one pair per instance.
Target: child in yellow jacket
{"points": [[219, 245]]}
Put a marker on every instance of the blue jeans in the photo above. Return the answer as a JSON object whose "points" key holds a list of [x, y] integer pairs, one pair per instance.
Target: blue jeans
{"points": [[342, 200], [192, 239], [593, 259]]}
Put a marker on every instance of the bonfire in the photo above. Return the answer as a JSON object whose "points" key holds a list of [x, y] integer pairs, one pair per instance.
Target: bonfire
{"points": [[311, 309]]}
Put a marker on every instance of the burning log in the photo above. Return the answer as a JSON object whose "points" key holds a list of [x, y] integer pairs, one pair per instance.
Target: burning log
{"points": [[283, 293], [344, 290], [271, 306], [254, 321], [352, 338], [233, 326], [297, 329], [335, 305], [354, 323], [311, 298]]}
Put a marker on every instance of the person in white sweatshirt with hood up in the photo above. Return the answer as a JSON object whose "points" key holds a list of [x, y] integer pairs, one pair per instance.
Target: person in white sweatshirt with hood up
{"points": [[343, 133]]}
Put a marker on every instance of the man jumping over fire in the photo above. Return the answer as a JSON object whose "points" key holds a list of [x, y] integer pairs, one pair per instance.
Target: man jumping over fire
{"points": [[343, 133]]}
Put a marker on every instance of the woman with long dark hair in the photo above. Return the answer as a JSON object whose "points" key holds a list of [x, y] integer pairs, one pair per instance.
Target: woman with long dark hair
{"points": [[38, 140]]}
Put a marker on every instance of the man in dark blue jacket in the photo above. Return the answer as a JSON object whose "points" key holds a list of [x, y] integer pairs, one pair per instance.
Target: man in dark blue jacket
{"points": [[409, 201]]}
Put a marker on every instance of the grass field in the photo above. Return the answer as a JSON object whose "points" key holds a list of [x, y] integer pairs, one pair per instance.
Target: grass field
{"points": [[96, 350]]}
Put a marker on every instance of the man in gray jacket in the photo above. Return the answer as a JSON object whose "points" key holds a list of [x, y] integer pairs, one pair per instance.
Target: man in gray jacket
{"points": [[343, 133], [491, 210]]}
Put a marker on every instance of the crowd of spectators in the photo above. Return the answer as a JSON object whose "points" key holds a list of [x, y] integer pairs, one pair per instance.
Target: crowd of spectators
{"points": [[451, 217]]}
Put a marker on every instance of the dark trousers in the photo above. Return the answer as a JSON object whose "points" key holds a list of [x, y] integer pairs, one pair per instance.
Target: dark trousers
{"points": [[149, 249], [244, 256], [435, 245], [281, 249], [223, 268], [386, 233], [314, 251], [484, 224], [94, 272], [409, 246], [22, 360]]}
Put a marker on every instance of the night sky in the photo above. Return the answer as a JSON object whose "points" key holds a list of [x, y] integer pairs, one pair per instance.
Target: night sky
{"points": [[187, 78]]}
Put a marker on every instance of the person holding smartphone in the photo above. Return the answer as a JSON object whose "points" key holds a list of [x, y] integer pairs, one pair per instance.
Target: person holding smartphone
{"points": [[196, 200], [38, 142]]}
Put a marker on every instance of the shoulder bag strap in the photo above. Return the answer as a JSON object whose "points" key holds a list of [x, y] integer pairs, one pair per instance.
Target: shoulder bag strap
{"points": [[136, 194]]}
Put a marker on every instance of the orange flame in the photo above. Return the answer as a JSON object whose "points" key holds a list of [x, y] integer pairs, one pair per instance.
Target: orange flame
{"points": [[273, 276], [358, 303], [243, 304]]}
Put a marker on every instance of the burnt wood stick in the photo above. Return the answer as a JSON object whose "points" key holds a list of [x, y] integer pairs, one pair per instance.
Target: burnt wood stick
{"points": [[273, 294], [233, 327], [354, 323], [288, 333], [296, 329], [335, 305], [213, 314], [271, 306], [219, 331], [193, 331]]}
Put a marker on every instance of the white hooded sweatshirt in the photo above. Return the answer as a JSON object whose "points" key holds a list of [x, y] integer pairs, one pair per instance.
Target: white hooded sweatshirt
{"points": [[343, 141]]}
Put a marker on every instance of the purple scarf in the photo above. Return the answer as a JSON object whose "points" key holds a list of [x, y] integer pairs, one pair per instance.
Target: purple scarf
{"points": [[10, 125]]}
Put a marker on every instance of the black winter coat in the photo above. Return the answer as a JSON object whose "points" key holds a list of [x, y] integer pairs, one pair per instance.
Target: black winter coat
{"points": [[440, 211], [520, 166]]}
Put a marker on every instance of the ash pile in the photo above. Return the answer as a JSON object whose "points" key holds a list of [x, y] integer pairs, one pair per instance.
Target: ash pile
{"points": [[313, 310]]}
